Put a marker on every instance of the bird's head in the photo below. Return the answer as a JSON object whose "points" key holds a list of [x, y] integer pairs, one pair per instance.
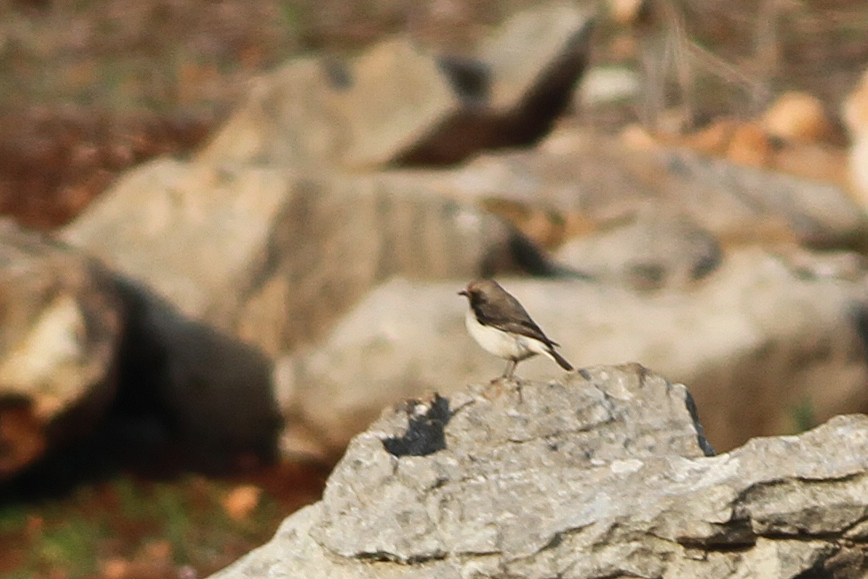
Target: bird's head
{"points": [[477, 290]]}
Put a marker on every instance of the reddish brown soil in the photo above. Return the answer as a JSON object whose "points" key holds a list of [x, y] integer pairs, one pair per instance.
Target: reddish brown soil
{"points": [[141, 528], [53, 162]]}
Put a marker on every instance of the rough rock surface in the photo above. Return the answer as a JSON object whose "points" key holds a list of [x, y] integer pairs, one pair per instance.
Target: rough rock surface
{"points": [[606, 475], [275, 257], [61, 323], [766, 342]]}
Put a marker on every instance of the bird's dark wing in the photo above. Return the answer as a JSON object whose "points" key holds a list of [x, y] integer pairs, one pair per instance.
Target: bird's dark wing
{"points": [[510, 316]]}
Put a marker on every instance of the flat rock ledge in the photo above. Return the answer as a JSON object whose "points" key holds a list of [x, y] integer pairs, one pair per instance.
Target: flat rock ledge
{"points": [[604, 473]]}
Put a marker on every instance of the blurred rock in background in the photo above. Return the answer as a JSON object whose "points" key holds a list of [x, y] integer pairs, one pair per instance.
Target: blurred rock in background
{"points": [[312, 195], [281, 262], [766, 342], [61, 333]]}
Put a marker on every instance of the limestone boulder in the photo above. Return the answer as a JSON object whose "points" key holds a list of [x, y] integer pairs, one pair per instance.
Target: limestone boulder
{"points": [[92, 363], [520, 82], [603, 473], [289, 117], [320, 111], [275, 257], [656, 249], [61, 326], [589, 181], [399, 104], [769, 343], [396, 96]]}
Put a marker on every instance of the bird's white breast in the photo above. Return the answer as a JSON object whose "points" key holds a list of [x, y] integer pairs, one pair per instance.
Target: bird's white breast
{"points": [[500, 343]]}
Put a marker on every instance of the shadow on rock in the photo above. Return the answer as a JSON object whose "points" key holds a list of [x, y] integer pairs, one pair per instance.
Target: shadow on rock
{"points": [[188, 398], [424, 434], [510, 97]]}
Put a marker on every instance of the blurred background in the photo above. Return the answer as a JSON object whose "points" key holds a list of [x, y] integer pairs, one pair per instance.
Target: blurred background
{"points": [[90, 89]]}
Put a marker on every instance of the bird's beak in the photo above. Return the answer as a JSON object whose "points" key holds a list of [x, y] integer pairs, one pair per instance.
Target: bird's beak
{"points": [[464, 293]]}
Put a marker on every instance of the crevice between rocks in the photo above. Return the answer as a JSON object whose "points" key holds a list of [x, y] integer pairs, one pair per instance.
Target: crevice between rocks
{"points": [[386, 557]]}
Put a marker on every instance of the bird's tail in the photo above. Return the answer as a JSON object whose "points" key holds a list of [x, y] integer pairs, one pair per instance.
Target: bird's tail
{"points": [[562, 362]]}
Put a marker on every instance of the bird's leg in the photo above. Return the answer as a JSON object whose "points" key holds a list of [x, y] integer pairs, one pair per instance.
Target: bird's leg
{"points": [[510, 368], [508, 375]]}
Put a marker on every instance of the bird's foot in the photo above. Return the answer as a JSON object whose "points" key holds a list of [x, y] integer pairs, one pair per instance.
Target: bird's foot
{"points": [[494, 389], [497, 385]]}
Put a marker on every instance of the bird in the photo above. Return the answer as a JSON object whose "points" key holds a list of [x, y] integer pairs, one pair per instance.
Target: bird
{"points": [[499, 323]]}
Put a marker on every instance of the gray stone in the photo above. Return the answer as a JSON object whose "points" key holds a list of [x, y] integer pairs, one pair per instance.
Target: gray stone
{"points": [[274, 257], [398, 95], [606, 475], [657, 249], [768, 344], [398, 104], [320, 112], [61, 326], [537, 55], [597, 180], [291, 117]]}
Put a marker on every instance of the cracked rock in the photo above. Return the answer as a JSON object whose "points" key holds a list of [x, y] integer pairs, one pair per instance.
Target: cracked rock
{"points": [[604, 473]]}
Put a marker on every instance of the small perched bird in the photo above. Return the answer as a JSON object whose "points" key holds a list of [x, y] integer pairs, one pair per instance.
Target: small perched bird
{"points": [[502, 327]]}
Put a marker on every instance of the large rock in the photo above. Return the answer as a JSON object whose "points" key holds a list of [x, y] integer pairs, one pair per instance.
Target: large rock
{"points": [[314, 111], [61, 326], [768, 344], [521, 82], [397, 95], [657, 249], [275, 257], [290, 117], [604, 476], [396, 103], [90, 360], [591, 180]]}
